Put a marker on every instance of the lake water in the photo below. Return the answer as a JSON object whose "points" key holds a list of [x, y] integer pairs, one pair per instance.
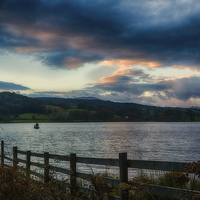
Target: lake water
{"points": [[145, 141]]}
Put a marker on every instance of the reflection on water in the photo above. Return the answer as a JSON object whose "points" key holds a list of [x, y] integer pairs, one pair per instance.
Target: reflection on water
{"points": [[145, 141]]}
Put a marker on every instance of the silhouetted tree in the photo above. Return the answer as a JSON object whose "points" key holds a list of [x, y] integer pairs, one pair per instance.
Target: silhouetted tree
{"points": [[170, 116], [82, 105], [191, 115]]}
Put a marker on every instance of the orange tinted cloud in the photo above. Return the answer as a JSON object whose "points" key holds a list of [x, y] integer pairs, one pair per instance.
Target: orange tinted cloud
{"points": [[29, 49], [195, 68], [110, 79], [125, 63], [72, 62], [126, 68]]}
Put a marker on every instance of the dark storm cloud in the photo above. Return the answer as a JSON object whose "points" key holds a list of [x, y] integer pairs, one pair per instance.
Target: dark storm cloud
{"points": [[132, 88], [9, 40], [49, 94], [183, 88], [179, 88], [138, 74], [11, 86], [70, 59], [130, 82], [168, 32]]}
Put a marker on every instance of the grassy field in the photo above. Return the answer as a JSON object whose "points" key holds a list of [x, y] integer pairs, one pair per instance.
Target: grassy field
{"points": [[54, 112], [32, 117], [197, 118]]}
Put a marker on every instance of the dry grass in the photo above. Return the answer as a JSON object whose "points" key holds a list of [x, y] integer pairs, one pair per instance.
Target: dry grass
{"points": [[15, 186]]}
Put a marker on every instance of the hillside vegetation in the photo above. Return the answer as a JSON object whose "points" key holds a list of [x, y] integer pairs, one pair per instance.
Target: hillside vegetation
{"points": [[18, 108]]}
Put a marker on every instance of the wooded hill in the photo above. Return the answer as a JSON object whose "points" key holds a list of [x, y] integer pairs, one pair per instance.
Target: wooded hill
{"points": [[12, 104], [19, 108]]}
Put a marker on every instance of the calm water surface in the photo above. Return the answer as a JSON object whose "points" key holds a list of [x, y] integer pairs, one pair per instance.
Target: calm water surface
{"points": [[141, 140]]}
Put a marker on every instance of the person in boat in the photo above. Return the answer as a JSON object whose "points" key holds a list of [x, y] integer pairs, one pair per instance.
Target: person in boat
{"points": [[36, 126]]}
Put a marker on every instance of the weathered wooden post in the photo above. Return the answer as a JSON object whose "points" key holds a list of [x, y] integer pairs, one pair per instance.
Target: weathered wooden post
{"points": [[46, 167], [73, 173], [28, 163], [2, 152], [15, 157], [123, 171]]}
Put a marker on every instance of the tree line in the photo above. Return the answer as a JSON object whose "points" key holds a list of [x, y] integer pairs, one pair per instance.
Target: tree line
{"points": [[12, 105], [87, 112]]}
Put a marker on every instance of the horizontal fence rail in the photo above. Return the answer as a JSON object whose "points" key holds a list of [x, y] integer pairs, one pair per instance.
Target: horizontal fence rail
{"points": [[157, 165], [123, 163]]}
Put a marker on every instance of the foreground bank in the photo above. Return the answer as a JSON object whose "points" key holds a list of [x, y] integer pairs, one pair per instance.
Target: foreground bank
{"points": [[102, 186]]}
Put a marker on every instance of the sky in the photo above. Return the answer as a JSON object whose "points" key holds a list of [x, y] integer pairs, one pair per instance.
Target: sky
{"points": [[141, 51]]}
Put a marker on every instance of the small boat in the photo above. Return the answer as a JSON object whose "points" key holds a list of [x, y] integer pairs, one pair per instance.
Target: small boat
{"points": [[36, 126]]}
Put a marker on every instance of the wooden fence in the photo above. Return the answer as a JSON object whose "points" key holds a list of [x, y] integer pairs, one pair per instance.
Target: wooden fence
{"points": [[123, 163]]}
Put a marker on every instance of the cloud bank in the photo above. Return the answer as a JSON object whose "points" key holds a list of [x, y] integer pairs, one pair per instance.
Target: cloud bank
{"points": [[11, 86], [69, 34]]}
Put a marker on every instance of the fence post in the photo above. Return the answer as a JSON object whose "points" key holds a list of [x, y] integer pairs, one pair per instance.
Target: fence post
{"points": [[123, 169], [15, 157], [28, 163], [46, 167], [2, 152], [73, 173]]}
